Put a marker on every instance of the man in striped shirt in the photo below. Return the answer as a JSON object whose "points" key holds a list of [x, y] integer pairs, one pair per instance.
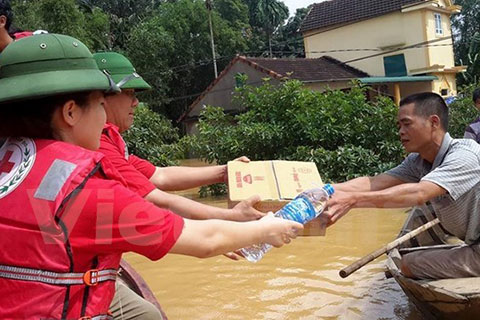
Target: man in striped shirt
{"points": [[439, 169]]}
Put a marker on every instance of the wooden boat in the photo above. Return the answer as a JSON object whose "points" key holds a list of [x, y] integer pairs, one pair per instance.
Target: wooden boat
{"points": [[135, 282], [457, 299]]}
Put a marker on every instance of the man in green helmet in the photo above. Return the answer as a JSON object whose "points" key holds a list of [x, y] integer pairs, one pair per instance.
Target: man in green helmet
{"points": [[149, 181], [141, 176]]}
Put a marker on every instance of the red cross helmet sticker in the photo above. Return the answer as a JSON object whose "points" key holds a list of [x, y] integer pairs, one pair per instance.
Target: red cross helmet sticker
{"points": [[16, 160]]}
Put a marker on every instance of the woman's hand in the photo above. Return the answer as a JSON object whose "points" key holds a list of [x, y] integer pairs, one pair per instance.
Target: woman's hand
{"points": [[279, 231]]}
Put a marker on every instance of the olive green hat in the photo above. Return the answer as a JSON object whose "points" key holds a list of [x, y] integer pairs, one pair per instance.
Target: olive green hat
{"points": [[46, 65], [121, 70]]}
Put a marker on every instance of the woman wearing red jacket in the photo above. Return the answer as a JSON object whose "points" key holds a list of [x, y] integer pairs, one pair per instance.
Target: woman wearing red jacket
{"points": [[66, 218]]}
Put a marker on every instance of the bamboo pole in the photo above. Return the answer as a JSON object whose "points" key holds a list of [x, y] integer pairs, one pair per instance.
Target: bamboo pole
{"points": [[345, 272]]}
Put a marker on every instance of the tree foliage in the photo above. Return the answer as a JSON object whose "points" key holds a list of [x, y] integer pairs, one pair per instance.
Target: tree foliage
{"points": [[462, 111], [63, 16], [287, 41], [267, 16], [122, 15], [150, 48], [168, 40], [183, 64], [465, 25], [472, 74], [152, 137], [343, 133]]}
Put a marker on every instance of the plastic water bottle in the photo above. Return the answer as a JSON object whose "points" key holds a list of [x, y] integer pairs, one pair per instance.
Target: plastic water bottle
{"points": [[305, 207]]}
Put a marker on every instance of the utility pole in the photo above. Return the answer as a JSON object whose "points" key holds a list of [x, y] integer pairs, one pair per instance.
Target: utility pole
{"points": [[208, 4]]}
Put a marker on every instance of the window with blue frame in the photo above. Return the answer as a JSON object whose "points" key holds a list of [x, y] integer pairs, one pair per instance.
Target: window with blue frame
{"points": [[438, 24], [395, 66]]}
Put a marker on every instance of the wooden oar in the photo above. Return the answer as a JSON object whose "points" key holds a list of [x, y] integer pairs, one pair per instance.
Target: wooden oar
{"points": [[345, 272]]}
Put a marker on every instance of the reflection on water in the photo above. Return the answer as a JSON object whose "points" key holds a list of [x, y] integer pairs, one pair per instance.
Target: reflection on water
{"points": [[298, 281]]}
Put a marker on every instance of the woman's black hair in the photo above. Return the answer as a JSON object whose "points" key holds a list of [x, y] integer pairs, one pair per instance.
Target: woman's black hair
{"points": [[33, 118]]}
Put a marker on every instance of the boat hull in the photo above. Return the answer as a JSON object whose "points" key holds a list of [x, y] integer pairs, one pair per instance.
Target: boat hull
{"points": [[135, 282], [457, 299]]}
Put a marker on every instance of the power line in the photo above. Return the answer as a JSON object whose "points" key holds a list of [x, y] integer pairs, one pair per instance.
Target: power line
{"points": [[422, 44], [409, 47], [232, 88], [413, 46], [205, 62]]}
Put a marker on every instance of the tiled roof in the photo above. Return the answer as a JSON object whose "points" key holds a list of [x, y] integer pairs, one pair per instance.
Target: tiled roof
{"points": [[323, 69], [334, 12], [310, 70]]}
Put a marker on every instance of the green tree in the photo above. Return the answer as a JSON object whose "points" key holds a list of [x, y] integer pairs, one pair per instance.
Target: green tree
{"points": [[235, 12], [472, 74], [97, 26], [122, 15], [287, 41], [186, 69], [150, 48], [267, 15], [465, 25], [26, 17], [63, 16], [152, 137], [462, 111]]}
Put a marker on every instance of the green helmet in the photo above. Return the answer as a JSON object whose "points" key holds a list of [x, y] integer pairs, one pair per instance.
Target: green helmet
{"points": [[121, 70], [47, 65]]}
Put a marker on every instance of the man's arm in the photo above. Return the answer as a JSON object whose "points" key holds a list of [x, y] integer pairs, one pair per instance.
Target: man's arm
{"points": [[182, 178], [400, 196], [376, 183], [190, 209]]}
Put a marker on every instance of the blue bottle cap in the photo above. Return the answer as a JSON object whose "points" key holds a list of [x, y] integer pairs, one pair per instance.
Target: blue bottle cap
{"points": [[329, 189]]}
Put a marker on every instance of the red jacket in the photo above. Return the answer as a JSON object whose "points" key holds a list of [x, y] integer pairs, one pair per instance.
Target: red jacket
{"points": [[23, 34], [39, 273]]}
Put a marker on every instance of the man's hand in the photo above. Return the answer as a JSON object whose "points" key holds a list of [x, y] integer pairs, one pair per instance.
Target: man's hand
{"points": [[244, 211], [225, 170], [339, 205], [235, 255]]}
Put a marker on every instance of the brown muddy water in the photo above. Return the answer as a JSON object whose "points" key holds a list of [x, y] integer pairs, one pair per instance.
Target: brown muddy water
{"points": [[297, 281]]}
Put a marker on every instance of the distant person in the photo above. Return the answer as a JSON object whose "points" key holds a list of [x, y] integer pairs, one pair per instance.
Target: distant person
{"points": [[8, 33], [6, 17], [439, 169], [65, 217], [473, 129]]}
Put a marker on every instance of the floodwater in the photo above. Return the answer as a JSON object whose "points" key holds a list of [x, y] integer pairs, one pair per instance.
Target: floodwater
{"points": [[297, 281]]}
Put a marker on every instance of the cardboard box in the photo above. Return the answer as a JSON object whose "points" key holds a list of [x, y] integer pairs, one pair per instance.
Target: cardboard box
{"points": [[276, 182]]}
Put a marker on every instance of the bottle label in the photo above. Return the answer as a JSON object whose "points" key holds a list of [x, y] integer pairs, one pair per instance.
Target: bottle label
{"points": [[299, 210]]}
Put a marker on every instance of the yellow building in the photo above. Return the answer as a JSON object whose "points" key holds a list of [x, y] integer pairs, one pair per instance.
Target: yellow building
{"points": [[405, 45]]}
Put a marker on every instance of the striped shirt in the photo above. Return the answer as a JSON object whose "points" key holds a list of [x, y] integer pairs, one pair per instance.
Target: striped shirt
{"points": [[456, 169]]}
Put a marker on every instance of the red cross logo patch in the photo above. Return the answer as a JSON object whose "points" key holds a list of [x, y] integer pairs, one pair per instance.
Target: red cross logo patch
{"points": [[16, 160]]}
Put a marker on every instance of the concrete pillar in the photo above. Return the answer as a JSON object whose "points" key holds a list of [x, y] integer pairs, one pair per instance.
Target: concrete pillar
{"points": [[397, 95]]}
